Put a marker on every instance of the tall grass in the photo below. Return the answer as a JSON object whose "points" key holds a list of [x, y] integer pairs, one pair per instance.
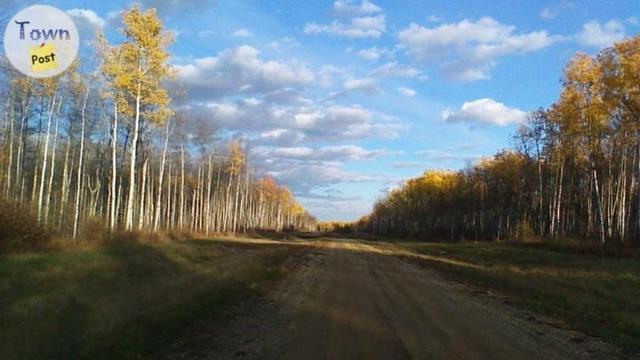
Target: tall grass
{"points": [[123, 301], [20, 230]]}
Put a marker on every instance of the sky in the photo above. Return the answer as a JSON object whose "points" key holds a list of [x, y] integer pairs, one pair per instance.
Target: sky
{"points": [[343, 100]]}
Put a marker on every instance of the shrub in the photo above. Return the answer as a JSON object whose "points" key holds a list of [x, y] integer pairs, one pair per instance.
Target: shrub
{"points": [[20, 230]]}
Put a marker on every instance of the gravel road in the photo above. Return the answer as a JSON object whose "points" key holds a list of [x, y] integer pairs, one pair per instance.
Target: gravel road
{"points": [[347, 300]]}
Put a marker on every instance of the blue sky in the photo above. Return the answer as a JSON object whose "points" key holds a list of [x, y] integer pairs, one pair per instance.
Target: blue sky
{"points": [[342, 100]]}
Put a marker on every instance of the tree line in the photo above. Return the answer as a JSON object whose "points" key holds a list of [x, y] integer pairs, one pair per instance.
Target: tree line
{"points": [[107, 146], [574, 172]]}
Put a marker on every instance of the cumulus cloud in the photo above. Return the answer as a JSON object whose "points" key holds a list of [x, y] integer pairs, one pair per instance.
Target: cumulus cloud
{"points": [[87, 17], [285, 42], [394, 69], [358, 27], [328, 74], [305, 176], [365, 20], [241, 33], [407, 92], [295, 123], [240, 70], [281, 136], [329, 153], [312, 171], [87, 22], [307, 170], [468, 50], [375, 53], [598, 35], [485, 111], [366, 85], [350, 8], [292, 133]]}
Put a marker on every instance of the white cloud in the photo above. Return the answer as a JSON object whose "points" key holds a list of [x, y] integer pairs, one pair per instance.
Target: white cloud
{"points": [[291, 132], [286, 41], [281, 136], [595, 35], [468, 50], [359, 27], [328, 153], [87, 22], [375, 53], [370, 54], [420, 40], [305, 169], [366, 85], [546, 13], [291, 123], [407, 92], [552, 11], [240, 70], [305, 176], [485, 111], [86, 16], [350, 9], [366, 20], [328, 74], [241, 33], [394, 69]]}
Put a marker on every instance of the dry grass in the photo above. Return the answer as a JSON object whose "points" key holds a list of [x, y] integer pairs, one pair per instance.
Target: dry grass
{"points": [[598, 295], [20, 230], [123, 300]]}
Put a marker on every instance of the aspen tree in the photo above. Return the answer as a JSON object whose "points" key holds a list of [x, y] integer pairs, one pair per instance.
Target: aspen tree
{"points": [[80, 87], [156, 219], [61, 160], [143, 68], [628, 52], [111, 68], [49, 89]]}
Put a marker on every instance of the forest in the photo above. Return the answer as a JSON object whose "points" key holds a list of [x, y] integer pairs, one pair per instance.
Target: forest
{"points": [[139, 218], [112, 147], [574, 171]]}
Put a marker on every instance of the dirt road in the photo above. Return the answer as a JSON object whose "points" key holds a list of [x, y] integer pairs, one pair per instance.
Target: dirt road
{"points": [[349, 301]]}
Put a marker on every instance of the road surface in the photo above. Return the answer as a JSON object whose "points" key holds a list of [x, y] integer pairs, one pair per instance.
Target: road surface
{"points": [[348, 301]]}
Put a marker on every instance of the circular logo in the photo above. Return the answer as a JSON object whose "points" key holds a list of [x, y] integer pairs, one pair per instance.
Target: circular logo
{"points": [[41, 41]]}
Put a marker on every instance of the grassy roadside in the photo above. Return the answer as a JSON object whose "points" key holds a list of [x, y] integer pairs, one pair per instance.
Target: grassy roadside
{"points": [[122, 301], [600, 296]]}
